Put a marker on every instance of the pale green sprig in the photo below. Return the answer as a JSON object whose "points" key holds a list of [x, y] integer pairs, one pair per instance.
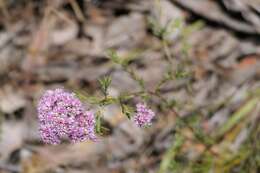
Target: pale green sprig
{"points": [[105, 83]]}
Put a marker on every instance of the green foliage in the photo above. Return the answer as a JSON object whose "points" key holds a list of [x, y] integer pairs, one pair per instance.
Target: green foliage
{"points": [[232, 160], [171, 103], [124, 97], [107, 101], [98, 122], [123, 61], [163, 32], [99, 127], [174, 159], [180, 73], [188, 30], [105, 83], [87, 98], [168, 162], [127, 110], [237, 116], [247, 158], [112, 54], [194, 121], [168, 76], [136, 78], [202, 165]]}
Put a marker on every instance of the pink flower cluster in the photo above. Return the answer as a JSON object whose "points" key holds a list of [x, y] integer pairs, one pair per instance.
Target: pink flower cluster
{"points": [[143, 116], [62, 115]]}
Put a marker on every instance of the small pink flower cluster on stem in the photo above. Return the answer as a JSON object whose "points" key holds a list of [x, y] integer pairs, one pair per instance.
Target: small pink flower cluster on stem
{"points": [[143, 116], [62, 115]]}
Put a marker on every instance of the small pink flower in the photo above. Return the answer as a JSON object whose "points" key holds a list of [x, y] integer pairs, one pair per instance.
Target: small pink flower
{"points": [[62, 115], [143, 116]]}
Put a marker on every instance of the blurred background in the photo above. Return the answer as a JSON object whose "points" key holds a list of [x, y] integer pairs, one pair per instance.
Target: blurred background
{"points": [[214, 51]]}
